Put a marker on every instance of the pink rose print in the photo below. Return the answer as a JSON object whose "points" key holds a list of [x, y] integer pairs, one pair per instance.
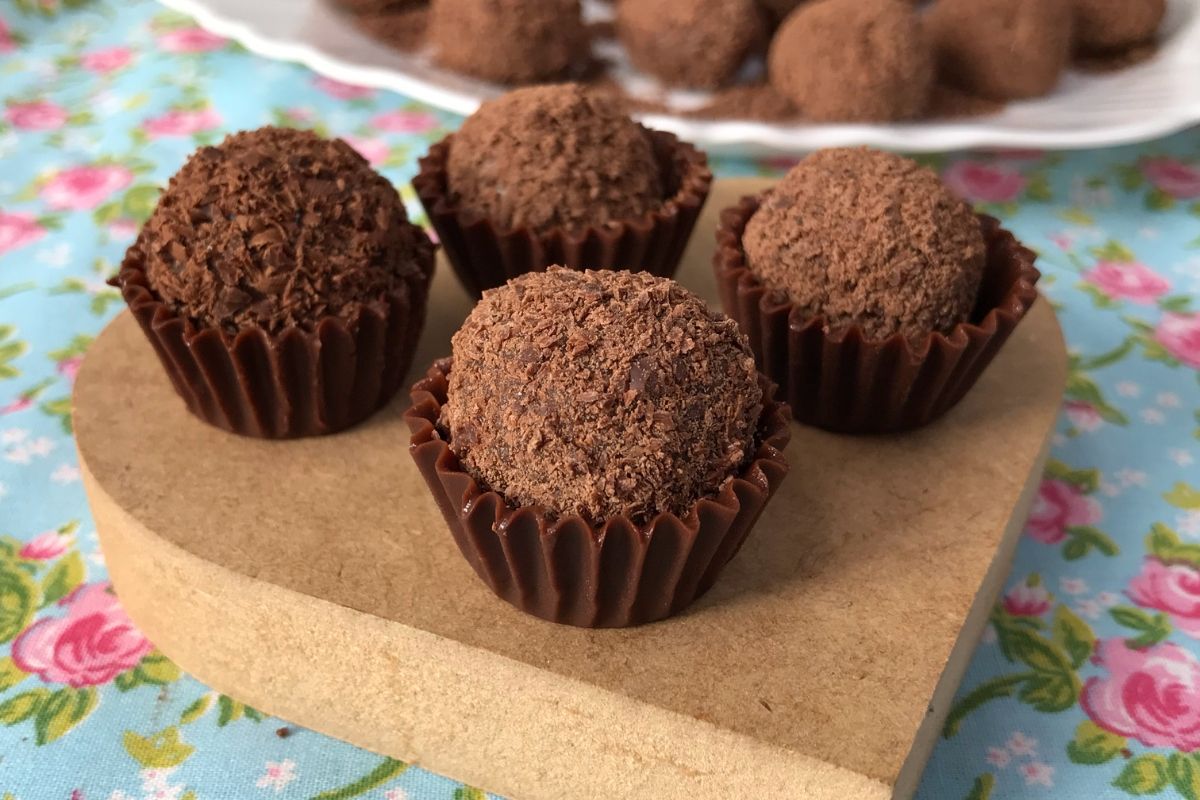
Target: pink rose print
{"points": [[1027, 601], [1083, 415], [1180, 334], [1059, 506], [374, 151], [980, 182], [107, 60], [1171, 588], [40, 115], [45, 546], [18, 229], [1152, 695], [69, 367], [7, 43], [1134, 282], [190, 40], [1175, 178], [181, 122], [339, 90], [84, 187], [123, 229], [404, 122], [93, 643]]}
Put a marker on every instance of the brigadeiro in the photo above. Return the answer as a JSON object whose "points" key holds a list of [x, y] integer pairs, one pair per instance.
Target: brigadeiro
{"points": [[281, 284], [691, 43], [868, 290], [508, 41], [853, 60], [560, 175], [1002, 49], [1105, 26], [585, 419]]}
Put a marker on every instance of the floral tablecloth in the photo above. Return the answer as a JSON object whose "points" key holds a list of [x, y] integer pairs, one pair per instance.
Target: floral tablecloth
{"points": [[1085, 685]]}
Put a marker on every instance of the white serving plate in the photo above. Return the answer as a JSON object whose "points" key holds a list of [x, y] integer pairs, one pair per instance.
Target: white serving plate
{"points": [[1150, 100]]}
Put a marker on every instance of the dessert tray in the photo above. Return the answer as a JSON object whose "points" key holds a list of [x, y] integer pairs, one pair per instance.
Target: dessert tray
{"points": [[316, 580], [1143, 102]]}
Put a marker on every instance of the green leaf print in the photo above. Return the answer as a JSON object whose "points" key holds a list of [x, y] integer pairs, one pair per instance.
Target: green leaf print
{"points": [[18, 600], [469, 793], [996, 688], [157, 669], [1151, 629], [1094, 745], [1165, 545], [1176, 303], [1184, 772], [982, 788], [1158, 200], [390, 768], [1073, 635], [10, 350], [1112, 250], [1085, 480], [1130, 176], [1083, 539], [62, 711], [63, 577], [61, 408], [22, 706], [1143, 775], [139, 201], [1183, 496], [196, 709], [10, 674], [161, 750], [1080, 387]]}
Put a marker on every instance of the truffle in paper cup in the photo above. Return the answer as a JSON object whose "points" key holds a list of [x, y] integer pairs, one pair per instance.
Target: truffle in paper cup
{"points": [[616, 574], [280, 284], [843, 381], [541, 204]]}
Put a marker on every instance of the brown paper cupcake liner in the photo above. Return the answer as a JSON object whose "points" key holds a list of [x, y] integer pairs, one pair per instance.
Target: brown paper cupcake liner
{"points": [[842, 381], [484, 256], [566, 570], [294, 383]]}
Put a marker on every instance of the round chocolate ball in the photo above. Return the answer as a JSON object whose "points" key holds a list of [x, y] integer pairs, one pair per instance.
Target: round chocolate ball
{"points": [[278, 227], [853, 61], [1107, 25], [508, 41], [548, 157], [690, 43], [601, 394], [867, 238], [1002, 49]]}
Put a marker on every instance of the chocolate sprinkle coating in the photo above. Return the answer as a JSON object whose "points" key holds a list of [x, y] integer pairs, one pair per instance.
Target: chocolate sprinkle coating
{"points": [[853, 60], [278, 227], [508, 41], [1107, 25], [699, 43], [601, 393], [554, 156], [1002, 49], [864, 237]]}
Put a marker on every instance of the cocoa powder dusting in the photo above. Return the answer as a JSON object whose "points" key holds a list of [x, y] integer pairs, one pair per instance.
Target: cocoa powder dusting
{"points": [[600, 393], [278, 227], [864, 237], [554, 156]]}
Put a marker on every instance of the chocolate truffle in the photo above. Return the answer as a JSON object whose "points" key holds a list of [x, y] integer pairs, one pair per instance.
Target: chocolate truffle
{"points": [[601, 393], [864, 237], [1002, 49], [1106, 25], [853, 60], [553, 156], [691, 43], [508, 41], [278, 227]]}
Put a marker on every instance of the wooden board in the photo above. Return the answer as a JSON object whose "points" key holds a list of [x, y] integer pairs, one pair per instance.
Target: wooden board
{"points": [[316, 581]]}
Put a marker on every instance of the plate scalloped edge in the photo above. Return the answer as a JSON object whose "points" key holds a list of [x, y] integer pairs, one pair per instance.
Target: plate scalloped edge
{"points": [[757, 138]]}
